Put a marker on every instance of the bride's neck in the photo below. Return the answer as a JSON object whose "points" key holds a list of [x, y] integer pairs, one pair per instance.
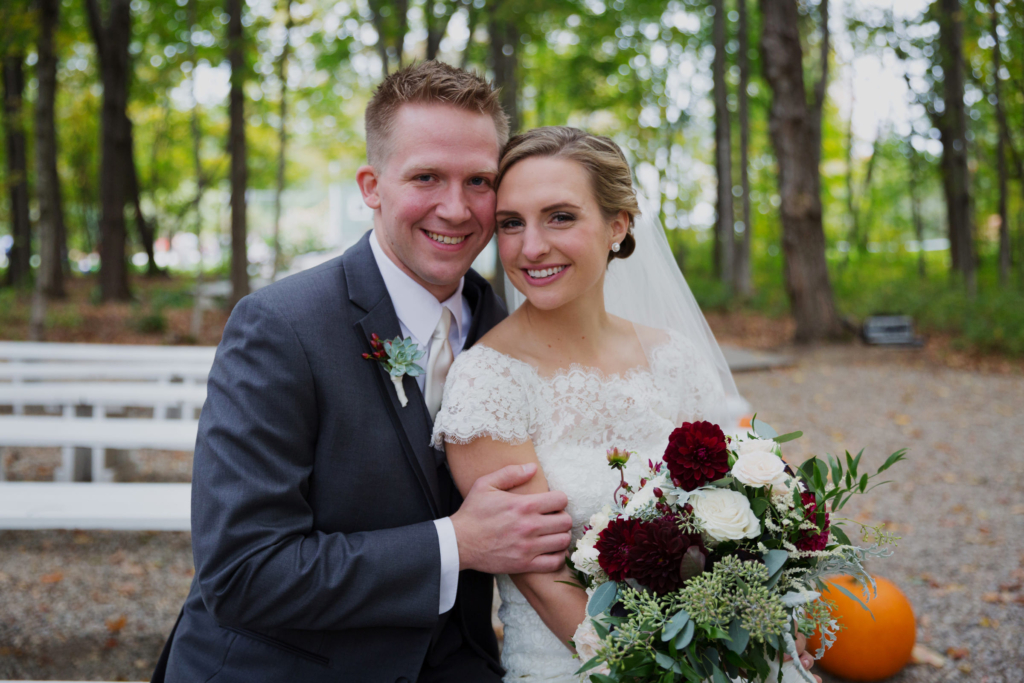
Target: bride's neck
{"points": [[578, 325]]}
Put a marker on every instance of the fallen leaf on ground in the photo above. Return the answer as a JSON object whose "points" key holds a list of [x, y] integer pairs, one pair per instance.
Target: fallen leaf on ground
{"points": [[965, 668], [922, 654], [958, 653], [111, 643], [115, 625], [54, 577]]}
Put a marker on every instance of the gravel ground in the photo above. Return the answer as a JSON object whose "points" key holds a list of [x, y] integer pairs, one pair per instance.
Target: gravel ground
{"points": [[98, 605]]}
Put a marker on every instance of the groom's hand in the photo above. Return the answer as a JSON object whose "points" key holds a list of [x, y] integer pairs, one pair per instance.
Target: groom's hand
{"points": [[499, 532]]}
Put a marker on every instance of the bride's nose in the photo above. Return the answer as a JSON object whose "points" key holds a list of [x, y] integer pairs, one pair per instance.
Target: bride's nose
{"points": [[535, 246]]}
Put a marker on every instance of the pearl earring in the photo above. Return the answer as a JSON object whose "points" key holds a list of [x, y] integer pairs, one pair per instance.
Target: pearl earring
{"points": [[615, 247]]}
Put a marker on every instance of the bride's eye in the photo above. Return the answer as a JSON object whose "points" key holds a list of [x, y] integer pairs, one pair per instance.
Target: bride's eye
{"points": [[562, 217], [511, 224]]}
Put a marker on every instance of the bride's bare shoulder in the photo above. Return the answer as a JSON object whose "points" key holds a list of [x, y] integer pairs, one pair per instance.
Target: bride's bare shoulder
{"points": [[502, 337]]}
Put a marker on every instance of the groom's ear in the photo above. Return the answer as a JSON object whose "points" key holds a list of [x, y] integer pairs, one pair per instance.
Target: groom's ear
{"points": [[366, 178]]}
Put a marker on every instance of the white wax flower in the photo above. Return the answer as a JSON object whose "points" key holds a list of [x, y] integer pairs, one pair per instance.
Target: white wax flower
{"points": [[585, 556], [645, 496], [725, 514]]}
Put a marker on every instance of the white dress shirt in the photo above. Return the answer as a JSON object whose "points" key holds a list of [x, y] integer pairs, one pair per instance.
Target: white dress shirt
{"points": [[418, 314]]}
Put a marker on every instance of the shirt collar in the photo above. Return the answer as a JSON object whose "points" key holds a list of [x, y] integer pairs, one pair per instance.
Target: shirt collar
{"points": [[417, 309]]}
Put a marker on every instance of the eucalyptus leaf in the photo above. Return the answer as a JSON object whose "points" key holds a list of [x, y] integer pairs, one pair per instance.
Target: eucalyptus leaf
{"points": [[774, 578], [739, 635], [603, 598], [686, 635], [718, 676], [774, 559], [666, 662], [762, 429], [674, 626]]}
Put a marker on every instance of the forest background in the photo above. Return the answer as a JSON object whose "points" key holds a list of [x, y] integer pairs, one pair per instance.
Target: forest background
{"points": [[814, 162]]}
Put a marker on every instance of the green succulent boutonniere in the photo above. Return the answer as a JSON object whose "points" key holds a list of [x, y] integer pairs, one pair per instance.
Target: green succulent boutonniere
{"points": [[398, 357]]}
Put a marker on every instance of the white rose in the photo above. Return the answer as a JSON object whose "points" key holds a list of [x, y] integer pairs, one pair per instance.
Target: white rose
{"points": [[585, 557], [725, 514], [645, 496], [759, 468], [752, 445], [587, 644]]}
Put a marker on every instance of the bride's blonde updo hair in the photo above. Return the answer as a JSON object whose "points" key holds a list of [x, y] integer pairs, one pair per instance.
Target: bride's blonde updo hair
{"points": [[610, 178]]}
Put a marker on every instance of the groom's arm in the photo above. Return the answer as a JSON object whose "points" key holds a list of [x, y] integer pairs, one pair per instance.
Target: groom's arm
{"points": [[259, 561]]}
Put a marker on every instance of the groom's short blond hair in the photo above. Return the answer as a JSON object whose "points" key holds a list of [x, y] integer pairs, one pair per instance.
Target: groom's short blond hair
{"points": [[430, 82]]}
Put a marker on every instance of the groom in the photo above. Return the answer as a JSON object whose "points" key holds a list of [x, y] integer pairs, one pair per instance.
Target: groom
{"points": [[328, 537]]}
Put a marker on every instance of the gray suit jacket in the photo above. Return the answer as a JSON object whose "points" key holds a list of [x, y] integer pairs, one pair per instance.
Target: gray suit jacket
{"points": [[313, 495]]}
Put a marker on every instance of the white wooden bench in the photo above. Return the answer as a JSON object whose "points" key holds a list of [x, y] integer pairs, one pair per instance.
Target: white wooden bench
{"points": [[97, 434], [64, 397], [122, 507], [55, 351], [104, 371]]}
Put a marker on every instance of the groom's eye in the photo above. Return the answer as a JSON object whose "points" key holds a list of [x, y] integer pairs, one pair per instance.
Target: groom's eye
{"points": [[424, 178], [479, 182]]}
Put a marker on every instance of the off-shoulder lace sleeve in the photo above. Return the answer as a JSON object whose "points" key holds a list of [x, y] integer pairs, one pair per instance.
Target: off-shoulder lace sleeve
{"points": [[486, 394]]}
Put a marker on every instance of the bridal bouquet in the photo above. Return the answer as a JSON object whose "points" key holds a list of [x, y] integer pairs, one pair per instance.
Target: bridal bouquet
{"points": [[708, 566]]}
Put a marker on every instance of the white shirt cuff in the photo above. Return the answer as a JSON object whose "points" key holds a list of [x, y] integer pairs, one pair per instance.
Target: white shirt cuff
{"points": [[449, 563]]}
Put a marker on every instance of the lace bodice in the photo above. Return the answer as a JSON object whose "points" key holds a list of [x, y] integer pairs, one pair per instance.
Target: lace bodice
{"points": [[572, 418]]}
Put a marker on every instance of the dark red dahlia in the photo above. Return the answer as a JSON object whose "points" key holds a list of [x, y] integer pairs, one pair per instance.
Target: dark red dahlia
{"points": [[657, 554], [696, 455], [811, 540], [613, 547]]}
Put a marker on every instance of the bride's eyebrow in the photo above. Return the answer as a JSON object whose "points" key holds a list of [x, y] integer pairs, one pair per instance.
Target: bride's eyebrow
{"points": [[560, 205], [506, 212]]}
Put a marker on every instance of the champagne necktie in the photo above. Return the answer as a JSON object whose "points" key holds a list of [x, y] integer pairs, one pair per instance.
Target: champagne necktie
{"points": [[439, 359]]}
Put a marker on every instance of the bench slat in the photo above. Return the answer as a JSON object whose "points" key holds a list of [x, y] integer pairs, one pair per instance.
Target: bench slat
{"points": [[124, 507], [101, 393], [103, 371], [100, 352], [122, 433]]}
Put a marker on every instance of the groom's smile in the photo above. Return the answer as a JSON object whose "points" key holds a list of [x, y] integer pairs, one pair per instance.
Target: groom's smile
{"points": [[433, 195]]}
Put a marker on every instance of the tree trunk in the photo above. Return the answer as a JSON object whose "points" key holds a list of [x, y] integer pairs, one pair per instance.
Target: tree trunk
{"points": [[239, 159], [956, 177], [1005, 248], [112, 47], [724, 228], [437, 27], [504, 36], [282, 135], [196, 324], [52, 246], [742, 282], [402, 19], [147, 235], [915, 206], [19, 270], [795, 129]]}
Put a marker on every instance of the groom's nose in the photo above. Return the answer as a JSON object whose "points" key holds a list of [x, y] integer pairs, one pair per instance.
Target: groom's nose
{"points": [[453, 207]]}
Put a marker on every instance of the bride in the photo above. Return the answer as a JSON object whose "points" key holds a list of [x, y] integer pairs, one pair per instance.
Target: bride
{"points": [[599, 353]]}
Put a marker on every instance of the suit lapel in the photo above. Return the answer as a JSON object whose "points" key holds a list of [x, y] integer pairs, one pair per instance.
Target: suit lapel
{"points": [[367, 291]]}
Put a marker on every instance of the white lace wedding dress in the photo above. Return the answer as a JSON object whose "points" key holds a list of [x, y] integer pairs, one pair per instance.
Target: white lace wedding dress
{"points": [[572, 418]]}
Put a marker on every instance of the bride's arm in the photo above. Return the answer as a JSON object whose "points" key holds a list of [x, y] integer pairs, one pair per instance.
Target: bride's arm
{"points": [[562, 607]]}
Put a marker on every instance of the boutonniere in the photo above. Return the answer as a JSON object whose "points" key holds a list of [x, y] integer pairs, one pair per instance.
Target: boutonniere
{"points": [[398, 357]]}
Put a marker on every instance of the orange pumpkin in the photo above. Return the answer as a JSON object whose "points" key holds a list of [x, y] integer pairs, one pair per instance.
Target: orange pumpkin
{"points": [[866, 649]]}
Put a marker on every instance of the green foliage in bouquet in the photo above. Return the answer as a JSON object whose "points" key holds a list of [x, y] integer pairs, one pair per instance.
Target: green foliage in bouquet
{"points": [[738, 610]]}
